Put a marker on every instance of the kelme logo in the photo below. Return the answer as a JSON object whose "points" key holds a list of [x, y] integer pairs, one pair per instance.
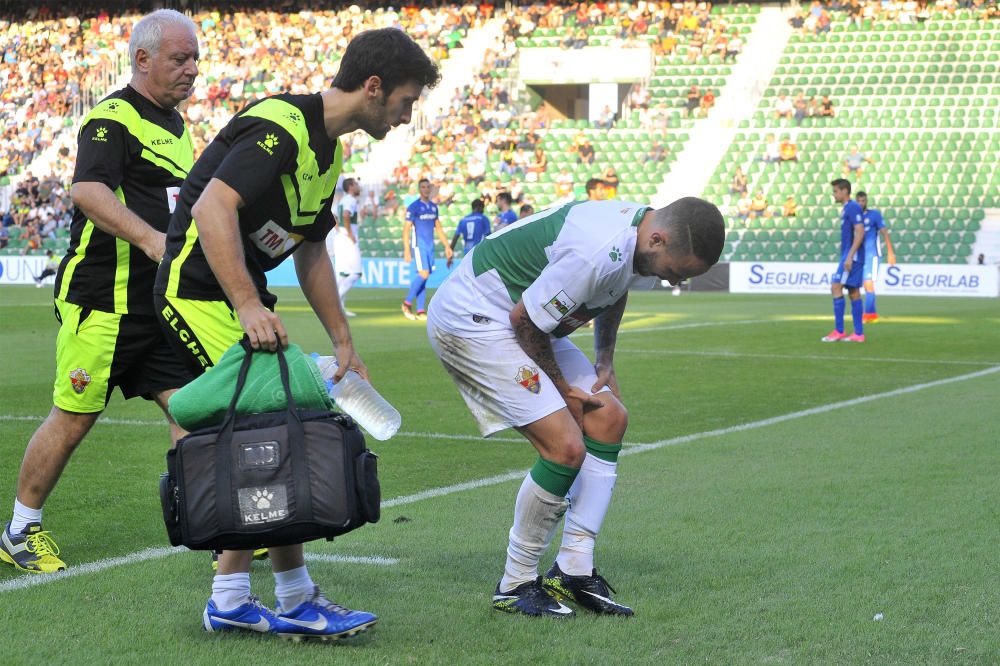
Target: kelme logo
{"points": [[615, 254], [113, 106], [101, 135], [269, 143]]}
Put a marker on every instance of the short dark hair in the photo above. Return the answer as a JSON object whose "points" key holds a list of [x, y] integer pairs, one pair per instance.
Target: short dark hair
{"points": [[841, 184], [391, 55], [422, 181], [526, 209], [695, 226], [861, 193], [478, 206], [506, 197], [347, 183], [593, 183]]}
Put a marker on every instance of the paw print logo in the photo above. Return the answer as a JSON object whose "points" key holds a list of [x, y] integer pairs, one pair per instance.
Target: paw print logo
{"points": [[270, 140], [294, 117], [102, 132], [262, 498], [615, 254], [113, 106]]}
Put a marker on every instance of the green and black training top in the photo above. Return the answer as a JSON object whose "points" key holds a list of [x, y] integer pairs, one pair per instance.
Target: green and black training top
{"points": [[142, 152], [277, 156]]}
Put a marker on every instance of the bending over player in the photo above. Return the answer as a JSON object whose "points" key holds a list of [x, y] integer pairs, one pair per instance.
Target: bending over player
{"points": [[499, 325]]}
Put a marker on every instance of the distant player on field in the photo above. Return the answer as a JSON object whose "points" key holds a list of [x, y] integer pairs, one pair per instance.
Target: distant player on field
{"points": [[421, 225], [499, 325], [505, 214], [874, 230], [472, 229], [133, 154], [850, 269], [345, 241]]}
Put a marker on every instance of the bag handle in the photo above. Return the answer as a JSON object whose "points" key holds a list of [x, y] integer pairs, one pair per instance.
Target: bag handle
{"points": [[223, 445]]}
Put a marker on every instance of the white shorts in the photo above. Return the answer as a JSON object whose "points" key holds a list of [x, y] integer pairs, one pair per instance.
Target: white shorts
{"points": [[347, 253], [500, 384]]}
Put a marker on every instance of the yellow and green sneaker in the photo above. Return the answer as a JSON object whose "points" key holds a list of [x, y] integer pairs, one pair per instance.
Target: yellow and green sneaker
{"points": [[33, 550]]}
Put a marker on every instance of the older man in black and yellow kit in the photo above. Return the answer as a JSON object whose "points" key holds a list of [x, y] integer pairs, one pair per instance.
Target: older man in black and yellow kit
{"points": [[133, 154]]}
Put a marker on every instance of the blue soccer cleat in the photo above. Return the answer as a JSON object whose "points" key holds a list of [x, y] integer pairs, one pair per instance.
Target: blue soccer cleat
{"points": [[321, 619], [251, 616]]}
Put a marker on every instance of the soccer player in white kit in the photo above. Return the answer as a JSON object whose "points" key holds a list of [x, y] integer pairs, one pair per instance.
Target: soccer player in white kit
{"points": [[346, 252], [499, 325]]}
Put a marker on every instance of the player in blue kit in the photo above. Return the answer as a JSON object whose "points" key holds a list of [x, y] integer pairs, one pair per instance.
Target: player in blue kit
{"points": [[505, 214], [418, 246], [471, 229], [849, 271], [874, 228]]}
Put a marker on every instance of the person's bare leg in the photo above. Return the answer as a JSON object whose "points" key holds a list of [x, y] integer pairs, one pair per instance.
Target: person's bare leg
{"points": [[48, 452]]}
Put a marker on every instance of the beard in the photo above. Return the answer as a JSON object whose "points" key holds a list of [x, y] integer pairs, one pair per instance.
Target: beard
{"points": [[643, 263], [373, 122]]}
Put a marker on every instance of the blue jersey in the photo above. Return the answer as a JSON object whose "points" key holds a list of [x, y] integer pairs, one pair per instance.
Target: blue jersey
{"points": [[473, 228], [506, 217], [851, 215], [422, 215], [873, 224]]}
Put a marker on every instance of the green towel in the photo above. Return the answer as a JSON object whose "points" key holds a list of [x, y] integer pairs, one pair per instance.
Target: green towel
{"points": [[203, 402]]}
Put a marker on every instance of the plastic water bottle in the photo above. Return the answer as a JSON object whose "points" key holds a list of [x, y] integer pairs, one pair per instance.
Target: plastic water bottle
{"points": [[359, 400]]}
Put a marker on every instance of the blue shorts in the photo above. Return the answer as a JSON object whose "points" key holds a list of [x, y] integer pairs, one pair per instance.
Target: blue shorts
{"points": [[423, 258], [854, 279], [872, 262]]}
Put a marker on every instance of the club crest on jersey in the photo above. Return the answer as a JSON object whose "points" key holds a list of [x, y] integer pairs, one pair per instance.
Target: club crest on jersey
{"points": [[528, 378], [559, 305], [80, 379], [274, 241]]}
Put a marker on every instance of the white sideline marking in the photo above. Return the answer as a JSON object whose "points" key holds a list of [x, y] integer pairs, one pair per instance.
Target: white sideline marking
{"points": [[822, 409], [142, 422], [31, 580], [674, 327], [351, 559], [803, 357]]}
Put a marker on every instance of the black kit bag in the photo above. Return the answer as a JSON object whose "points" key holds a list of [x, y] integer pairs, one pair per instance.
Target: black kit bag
{"points": [[270, 479]]}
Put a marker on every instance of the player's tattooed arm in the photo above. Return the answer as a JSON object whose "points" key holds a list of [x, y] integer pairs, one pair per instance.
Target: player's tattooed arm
{"points": [[605, 338], [606, 330], [538, 346]]}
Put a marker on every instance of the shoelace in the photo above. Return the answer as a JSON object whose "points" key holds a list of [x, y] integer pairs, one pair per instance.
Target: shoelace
{"points": [[320, 600], [41, 544], [601, 580]]}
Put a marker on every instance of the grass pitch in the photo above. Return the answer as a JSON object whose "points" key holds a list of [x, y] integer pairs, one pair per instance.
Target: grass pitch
{"points": [[759, 526]]}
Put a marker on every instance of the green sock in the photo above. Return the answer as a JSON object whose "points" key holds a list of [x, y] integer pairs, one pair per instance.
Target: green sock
{"points": [[602, 450], [553, 477]]}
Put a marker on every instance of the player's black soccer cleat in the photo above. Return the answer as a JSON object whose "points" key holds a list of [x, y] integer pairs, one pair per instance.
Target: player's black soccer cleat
{"points": [[530, 599], [591, 592]]}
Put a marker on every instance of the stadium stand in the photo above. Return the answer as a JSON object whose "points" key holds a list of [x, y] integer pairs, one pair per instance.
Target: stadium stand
{"points": [[899, 89], [901, 80]]}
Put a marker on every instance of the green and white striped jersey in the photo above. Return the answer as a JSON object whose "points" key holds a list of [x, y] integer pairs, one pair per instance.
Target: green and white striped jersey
{"points": [[568, 264]]}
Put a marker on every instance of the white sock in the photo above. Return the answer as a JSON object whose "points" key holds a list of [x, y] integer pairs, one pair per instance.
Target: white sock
{"points": [[589, 498], [22, 516], [345, 282], [292, 587], [230, 591], [536, 515]]}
